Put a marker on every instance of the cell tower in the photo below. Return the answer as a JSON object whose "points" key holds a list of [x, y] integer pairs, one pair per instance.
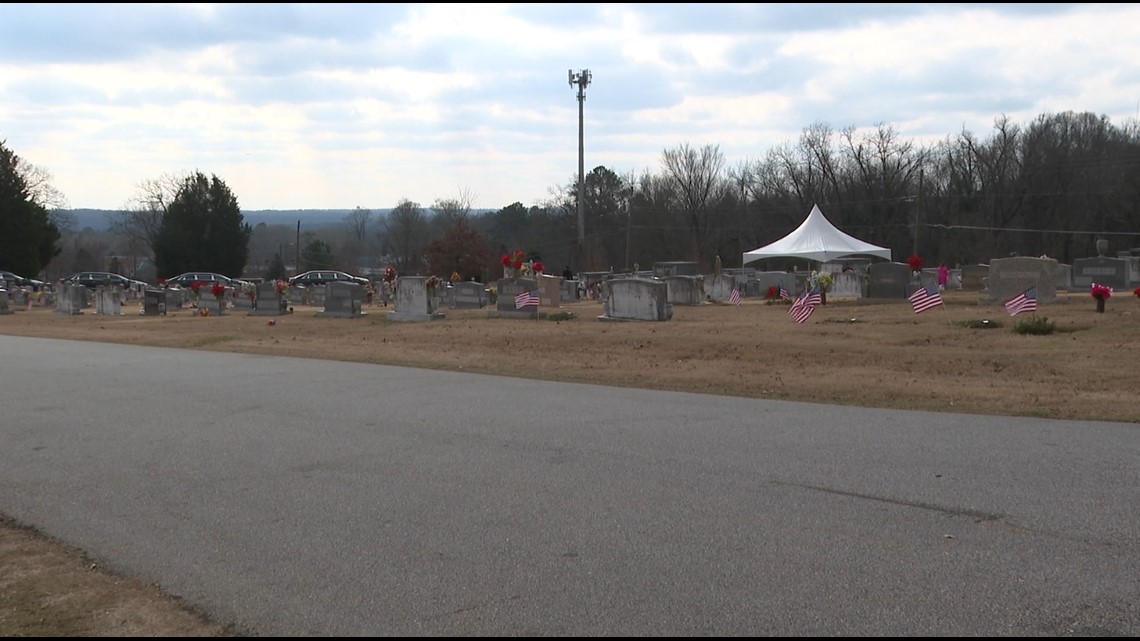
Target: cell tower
{"points": [[582, 79]]}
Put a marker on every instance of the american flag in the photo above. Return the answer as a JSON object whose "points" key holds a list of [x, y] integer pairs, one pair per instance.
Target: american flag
{"points": [[1026, 301], [801, 312], [784, 295], [734, 297], [525, 299], [925, 297], [814, 298]]}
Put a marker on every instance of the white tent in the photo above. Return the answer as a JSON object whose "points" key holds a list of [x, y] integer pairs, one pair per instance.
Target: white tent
{"points": [[816, 239]]}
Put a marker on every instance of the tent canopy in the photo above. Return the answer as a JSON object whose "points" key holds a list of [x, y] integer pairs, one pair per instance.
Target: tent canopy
{"points": [[816, 239]]}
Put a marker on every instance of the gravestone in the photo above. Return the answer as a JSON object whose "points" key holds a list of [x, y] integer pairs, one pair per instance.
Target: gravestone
{"points": [[4, 307], [299, 295], [17, 297], [213, 305], [637, 299], [676, 268], [1064, 277], [317, 295], [342, 300], [568, 290], [508, 288], [268, 302], [549, 291], [974, 277], [176, 298], [154, 302], [468, 295], [70, 299], [1009, 277], [413, 301], [767, 280], [243, 300], [719, 286], [888, 280], [1102, 270], [684, 290], [108, 300]]}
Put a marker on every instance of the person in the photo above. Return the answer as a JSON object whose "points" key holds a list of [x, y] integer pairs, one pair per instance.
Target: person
{"points": [[567, 274], [943, 276]]}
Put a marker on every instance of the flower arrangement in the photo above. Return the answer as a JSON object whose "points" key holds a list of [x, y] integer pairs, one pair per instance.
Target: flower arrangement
{"points": [[432, 282], [773, 293], [915, 262], [218, 290], [455, 278], [249, 289], [282, 286], [1136, 292], [537, 267], [824, 280], [389, 274], [195, 286], [1101, 292]]}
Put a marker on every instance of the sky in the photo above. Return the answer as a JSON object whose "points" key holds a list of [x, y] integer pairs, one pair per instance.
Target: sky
{"points": [[338, 106]]}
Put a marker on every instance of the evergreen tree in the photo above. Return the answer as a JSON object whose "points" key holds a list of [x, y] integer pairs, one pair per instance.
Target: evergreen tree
{"points": [[202, 230], [28, 238], [316, 255], [276, 269]]}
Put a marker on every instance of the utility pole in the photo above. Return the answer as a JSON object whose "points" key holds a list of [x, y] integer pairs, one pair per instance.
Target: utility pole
{"points": [[582, 79]]}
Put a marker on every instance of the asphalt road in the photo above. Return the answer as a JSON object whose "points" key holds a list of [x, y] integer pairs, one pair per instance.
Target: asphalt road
{"points": [[295, 497]]}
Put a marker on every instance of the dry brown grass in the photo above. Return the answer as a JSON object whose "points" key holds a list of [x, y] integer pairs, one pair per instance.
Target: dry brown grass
{"points": [[848, 352]]}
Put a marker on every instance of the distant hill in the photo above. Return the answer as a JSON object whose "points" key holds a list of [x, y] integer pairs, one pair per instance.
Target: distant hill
{"points": [[99, 219]]}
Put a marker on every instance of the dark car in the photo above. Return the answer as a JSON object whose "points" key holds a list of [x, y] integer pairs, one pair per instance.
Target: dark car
{"points": [[92, 280], [318, 277], [19, 281], [206, 278]]}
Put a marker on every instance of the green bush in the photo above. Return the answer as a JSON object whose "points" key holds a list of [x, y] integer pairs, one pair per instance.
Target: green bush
{"points": [[1034, 325], [561, 316]]}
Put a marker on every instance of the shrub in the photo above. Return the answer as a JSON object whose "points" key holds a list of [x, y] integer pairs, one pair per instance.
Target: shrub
{"points": [[561, 316], [1034, 325]]}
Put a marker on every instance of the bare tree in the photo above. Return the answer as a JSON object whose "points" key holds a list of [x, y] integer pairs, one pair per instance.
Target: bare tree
{"points": [[406, 230], [356, 222], [42, 192], [700, 189], [140, 221]]}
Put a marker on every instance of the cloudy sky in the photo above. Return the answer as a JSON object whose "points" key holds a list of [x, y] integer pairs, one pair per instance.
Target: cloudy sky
{"points": [[364, 105]]}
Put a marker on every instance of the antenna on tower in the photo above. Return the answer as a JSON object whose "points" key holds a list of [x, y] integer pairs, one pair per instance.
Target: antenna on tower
{"points": [[582, 79]]}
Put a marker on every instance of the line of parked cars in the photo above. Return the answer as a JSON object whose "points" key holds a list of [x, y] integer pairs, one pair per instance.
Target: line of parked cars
{"points": [[312, 278]]}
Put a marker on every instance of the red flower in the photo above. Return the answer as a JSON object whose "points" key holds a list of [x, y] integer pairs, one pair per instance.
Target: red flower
{"points": [[506, 260], [1101, 291], [538, 266], [518, 263], [195, 286], [389, 274], [218, 290], [1136, 292], [915, 262], [773, 291]]}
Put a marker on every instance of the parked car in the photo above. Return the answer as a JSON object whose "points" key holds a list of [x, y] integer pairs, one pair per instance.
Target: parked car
{"points": [[20, 281], [206, 278], [319, 277], [92, 280]]}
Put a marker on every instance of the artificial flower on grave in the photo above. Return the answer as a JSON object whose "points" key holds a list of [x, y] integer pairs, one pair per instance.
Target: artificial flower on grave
{"points": [[218, 290], [517, 259], [195, 286], [915, 263], [773, 292], [249, 289], [506, 261], [1136, 292], [538, 267], [1101, 292], [282, 286], [455, 277], [823, 279], [389, 274], [432, 282]]}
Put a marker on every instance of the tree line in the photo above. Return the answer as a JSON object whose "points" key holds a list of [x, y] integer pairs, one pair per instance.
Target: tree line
{"points": [[1052, 187]]}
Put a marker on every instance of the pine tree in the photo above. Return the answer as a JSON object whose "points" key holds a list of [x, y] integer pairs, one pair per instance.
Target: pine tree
{"points": [[203, 230], [28, 238]]}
